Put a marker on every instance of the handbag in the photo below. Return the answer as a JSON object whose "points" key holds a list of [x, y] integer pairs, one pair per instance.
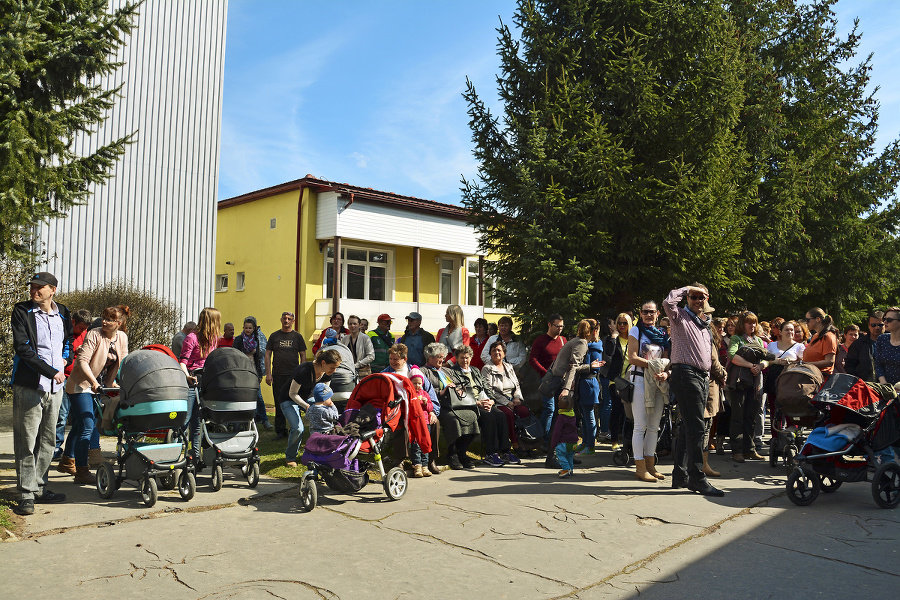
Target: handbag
{"points": [[458, 401], [625, 389], [550, 384]]}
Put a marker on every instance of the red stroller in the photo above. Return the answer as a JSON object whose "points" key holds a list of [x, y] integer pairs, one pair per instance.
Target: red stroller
{"points": [[858, 428], [379, 404]]}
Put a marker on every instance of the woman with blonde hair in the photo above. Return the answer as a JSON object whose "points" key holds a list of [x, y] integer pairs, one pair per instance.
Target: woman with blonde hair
{"points": [[455, 333], [98, 361], [196, 347]]}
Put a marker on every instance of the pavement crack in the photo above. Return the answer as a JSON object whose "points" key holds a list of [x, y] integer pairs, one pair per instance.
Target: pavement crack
{"points": [[257, 584], [534, 535], [658, 521], [829, 558]]}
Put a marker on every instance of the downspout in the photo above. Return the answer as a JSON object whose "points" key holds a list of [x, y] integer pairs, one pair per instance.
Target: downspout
{"points": [[297, 256]]}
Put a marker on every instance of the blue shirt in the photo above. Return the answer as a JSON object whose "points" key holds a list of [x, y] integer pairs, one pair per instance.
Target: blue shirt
{"points": [[51, 336]]}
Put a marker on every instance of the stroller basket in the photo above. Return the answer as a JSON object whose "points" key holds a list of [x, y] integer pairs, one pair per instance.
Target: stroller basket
{"points": [[345, 481]]}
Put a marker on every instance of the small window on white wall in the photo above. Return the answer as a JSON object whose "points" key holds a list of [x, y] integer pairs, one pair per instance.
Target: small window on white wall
{"points": [[239, 282], [222, 283]]}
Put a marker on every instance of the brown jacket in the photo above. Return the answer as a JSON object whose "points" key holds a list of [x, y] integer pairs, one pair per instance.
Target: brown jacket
{"points": [[570, 362], [92, 356], [714, 404]]}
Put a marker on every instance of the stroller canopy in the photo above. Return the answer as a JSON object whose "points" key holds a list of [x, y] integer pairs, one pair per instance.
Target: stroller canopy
{"points": [[149, 376], [796, 385], [384, 389], [860, 403], [229, 375]]}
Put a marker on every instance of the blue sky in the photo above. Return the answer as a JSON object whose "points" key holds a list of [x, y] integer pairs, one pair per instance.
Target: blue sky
{"points": [[369, 92]]}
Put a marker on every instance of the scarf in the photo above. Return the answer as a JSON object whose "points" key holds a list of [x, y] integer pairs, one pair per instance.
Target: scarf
{"points": [[248, 343], [655, 335], [700, 323]]}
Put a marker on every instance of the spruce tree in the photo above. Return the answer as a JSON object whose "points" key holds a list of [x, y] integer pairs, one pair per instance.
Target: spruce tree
{"points": [[54, 55], [615, 171]]}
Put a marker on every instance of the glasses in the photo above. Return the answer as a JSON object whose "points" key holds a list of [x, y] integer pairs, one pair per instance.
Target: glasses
{"points": [[697, 297], [560, 326], [876, 324], [622, 323], [648, 312], [890, 319]]}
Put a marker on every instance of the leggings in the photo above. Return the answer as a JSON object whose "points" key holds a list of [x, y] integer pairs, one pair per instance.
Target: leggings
{"points": [[646, 426]]}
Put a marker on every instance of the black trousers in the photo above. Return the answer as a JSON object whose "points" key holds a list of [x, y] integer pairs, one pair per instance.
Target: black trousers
{"points": [[494, 430], [617, 416], [745, 405], [278, 382], [691, 388]]}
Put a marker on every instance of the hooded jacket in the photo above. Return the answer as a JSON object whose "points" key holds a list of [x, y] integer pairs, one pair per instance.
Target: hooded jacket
{"points": [[259, 355]]}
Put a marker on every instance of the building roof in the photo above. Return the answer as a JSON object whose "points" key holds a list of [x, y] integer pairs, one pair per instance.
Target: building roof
{"points": [[348, 190]]}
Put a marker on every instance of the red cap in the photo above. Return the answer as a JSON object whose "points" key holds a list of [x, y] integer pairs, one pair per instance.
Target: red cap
{"points": [[384, 317]]}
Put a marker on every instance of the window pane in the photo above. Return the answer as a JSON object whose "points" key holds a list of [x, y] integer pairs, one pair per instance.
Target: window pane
{"points": [[376, 283], [329, 279], [471, 290], [446, 288], [488, 297], [359, 255], [378, 257], [356, 282], [446, 265], [329, 252], [472, 267]]}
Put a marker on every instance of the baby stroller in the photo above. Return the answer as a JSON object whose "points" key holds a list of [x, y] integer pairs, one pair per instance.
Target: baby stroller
{"points": [[793, 415], [858, 422], [378, 405], [228, 434], [153, 395]]}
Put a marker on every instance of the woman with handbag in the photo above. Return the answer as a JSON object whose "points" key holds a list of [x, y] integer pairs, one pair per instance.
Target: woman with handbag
{"points": [[645, 343], [459, 409], [744, 397]]}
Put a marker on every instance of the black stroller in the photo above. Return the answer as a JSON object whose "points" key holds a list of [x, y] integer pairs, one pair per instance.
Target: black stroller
{"points": [[153, 395], [624, 454], [858, 425], [228, 393]]}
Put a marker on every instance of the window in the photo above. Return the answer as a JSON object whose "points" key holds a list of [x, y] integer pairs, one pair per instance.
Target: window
{"points": [[447, 281], [221, 283], [490, 284], [472, 283], [363, 273], [239, 282], [271, 223]]}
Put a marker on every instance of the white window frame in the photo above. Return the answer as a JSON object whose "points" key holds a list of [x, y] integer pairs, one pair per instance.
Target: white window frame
{"points": [[454, 279], [221, 282], [388, 271], [469, 287], [239, 281]]}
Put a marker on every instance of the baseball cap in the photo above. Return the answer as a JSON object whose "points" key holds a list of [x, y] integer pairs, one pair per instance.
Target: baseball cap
{"points": [[322, 392], [384, 317], [414, 316], [44, 278]]}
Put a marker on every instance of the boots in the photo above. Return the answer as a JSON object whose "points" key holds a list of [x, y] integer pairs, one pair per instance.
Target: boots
{"points": [[95, 458], [720, 444], [641, 472], [83, 476], [708, 470], [417, 471], [425, 471], [651, 468], [66, 465], [432, 466]]}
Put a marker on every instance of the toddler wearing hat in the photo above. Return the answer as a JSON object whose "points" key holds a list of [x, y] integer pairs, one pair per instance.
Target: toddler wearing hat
{"points": [[418, 458], [322, 413]]}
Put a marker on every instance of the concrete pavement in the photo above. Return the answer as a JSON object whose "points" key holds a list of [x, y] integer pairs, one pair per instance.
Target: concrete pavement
{"points": [[509, 532]]}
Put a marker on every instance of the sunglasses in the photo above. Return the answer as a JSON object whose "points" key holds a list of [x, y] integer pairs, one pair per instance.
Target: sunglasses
{"points": [[648, 312], [876, 324], [697, 297], [890, 319]]}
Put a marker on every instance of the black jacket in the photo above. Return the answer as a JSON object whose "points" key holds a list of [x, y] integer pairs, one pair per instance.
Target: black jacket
{"points": [[860, 361], [614, 357], [27, 367]]}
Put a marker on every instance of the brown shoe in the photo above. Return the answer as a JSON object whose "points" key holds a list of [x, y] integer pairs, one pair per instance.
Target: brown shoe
{"points": [[651, 468], [435, 470], [83, 476], [291, 464], [417, 471], [641, 472], [753, 455], [708, 470], [737, 457], [66, 465], [95, 458]]}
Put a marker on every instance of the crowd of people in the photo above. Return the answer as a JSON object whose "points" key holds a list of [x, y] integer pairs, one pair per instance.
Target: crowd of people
{"points": [[609, 384]]}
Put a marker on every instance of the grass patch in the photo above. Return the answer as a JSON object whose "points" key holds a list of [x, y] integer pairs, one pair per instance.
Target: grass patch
{"points": [[6, 519]]}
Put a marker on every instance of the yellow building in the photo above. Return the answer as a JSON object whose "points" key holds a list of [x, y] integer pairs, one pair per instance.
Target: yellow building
{"points": [[278, 249]]}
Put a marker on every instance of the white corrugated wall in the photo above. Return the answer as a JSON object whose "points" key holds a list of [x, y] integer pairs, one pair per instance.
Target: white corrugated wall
{"points": [[154, 222]]}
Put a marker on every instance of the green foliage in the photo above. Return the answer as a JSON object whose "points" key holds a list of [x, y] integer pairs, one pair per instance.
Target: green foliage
{"points": [[53, 56], [15, 274], [153, 320], [648, 144]]}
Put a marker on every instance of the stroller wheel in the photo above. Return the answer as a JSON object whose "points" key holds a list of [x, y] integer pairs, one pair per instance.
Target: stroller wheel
{"points": [[309, 495], [621, 458], [395, 483], [218, 476], [148, 490], [802, 488], [253, 475], [187, 485], [789, 463], [106, 481], [886, 485], [830, 485], [169, 480]]}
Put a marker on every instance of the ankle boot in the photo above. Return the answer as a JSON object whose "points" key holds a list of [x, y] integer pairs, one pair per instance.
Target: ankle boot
{"points": [[66, 465], [95, 458], [651, 468], [720, 444], [417, 471], [425, 471], [83, 476], [708, 470], [432, 466], [641, 471]]}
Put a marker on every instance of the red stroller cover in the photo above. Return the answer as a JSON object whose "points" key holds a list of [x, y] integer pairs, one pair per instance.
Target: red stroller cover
{"points": [[380, 389]]}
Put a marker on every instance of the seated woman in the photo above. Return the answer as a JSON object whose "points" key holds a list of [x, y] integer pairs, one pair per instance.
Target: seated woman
{"points": [[503, 388], [459, 398], [398, 355]]}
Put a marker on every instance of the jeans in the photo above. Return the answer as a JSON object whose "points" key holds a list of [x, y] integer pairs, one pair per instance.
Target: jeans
{"points": [[588, 426], [605, 411], [278, 382], [691, 388], [418, 457], [84, 426], [291, 413], [193, 422], [34, 435], [260, 416], [61, 421], [547, 416]]}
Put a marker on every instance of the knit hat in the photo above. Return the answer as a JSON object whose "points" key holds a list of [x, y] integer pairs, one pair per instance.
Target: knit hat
{"points": [[322, 392], [330, 337]]}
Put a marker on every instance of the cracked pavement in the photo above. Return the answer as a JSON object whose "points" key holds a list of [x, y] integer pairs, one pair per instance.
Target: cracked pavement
{"points": [[510, 532]]}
